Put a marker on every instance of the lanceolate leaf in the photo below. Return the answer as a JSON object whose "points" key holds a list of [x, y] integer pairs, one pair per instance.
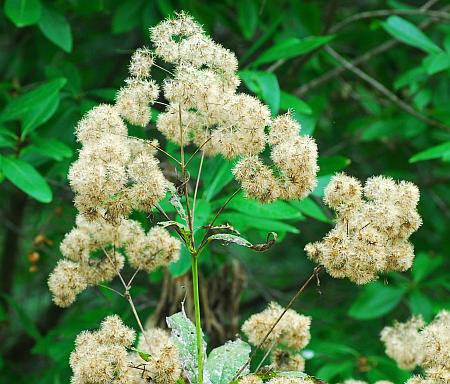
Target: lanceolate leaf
{"points": [[55, 27], [292, 47], [225, 361], [265, 85], [376, 300], [439, 151], [408, 33], [184, 336], [25, 177]]}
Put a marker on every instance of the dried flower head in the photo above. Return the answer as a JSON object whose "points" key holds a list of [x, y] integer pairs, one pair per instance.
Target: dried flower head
{"points": [[141, 63], [403, 342], [292, 331], [100, 357], [164, 366], [283, 360], [372, 235]]}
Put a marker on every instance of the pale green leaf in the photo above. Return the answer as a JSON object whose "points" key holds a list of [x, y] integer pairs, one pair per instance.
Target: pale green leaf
{"points": [[288, 101], [225, 361], [408, 33], [265, 85], [184, 336]]}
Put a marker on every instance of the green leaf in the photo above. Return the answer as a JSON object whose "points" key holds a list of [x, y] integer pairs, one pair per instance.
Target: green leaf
{"points": [[288, 101], [183, 264], [292, 47], [424, 265], [244, 221], [277, 210], [225, 361], [310, 208], [408, 33], [332, 164], [25, 177], [55, 27], [23, 12], [184, 336], [7, 138], [127, 16], [439, 151], [412, 76], [28, 324], [34, 107], [39, 114], [436, 62], [217, 174], [52, 148], [265, 85], [420, 304], [248, 17], [375, 300]]}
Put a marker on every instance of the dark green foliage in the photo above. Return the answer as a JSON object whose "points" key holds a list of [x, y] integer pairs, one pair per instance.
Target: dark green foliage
{"points": [[60, 58]]}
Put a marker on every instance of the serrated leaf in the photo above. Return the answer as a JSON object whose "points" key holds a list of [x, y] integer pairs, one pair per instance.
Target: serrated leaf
{"points": [[408, 33], [23, 12], [184, 336], [56, 28], [292, 47], [225, 361], [25, 177], [375, 300], [439, 151]]}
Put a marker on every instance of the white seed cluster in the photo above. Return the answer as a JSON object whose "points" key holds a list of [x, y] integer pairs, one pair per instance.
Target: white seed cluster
{"points": [[114, 173], [294, 158], [403, 342], [290, 334], [412, 344], [100, 357], [372, 234], [163, 367], [92, 256]]}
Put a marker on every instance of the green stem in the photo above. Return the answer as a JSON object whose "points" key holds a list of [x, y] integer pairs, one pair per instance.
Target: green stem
{"points": [[198, 326]]}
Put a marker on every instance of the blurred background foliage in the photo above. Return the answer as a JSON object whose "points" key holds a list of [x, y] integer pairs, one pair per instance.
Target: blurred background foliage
{"points": [[369, 80]]}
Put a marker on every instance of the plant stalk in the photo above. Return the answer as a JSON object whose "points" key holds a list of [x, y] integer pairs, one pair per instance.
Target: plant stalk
{"points": [[198, 325]]}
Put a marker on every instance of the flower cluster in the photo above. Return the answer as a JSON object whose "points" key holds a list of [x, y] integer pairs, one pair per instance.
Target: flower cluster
{"points": [[412, 344], [371, 235], [163, 365], [295, 161], [114, 173], [291, 333], [92, 255], [205, 109], [101, 357]]}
